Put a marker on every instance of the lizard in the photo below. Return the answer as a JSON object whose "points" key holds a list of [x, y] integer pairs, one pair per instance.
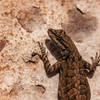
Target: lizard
{"points": [[72, 68]]}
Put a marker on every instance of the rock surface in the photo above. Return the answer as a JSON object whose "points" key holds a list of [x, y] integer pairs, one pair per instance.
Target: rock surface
{"points": [[23, 23]]}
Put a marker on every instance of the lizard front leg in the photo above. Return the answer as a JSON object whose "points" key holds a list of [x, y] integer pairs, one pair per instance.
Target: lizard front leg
{"points": [[91, 68], [48, 68]]}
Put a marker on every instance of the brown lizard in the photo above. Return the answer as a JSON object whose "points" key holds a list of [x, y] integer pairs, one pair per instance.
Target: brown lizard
{"points": [[72, 68]]}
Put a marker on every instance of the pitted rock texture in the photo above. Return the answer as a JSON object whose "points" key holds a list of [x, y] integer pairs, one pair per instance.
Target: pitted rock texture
{"points": [[22, 24]]}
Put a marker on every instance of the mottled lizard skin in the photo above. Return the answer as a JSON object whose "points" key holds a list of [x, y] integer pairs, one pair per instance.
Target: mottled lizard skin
{"points": [[73, 70]]}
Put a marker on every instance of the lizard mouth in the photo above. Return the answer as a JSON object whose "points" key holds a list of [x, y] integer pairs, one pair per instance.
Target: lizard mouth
{"points": [[52, 34]]}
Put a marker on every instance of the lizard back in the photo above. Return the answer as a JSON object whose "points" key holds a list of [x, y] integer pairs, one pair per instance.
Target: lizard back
{"points": [[73, 84]]}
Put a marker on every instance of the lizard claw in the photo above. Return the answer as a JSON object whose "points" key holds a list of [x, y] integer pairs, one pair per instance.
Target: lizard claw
{"points": [[40, 45], [34, 54], [28, 61], [42, 48], [96, 60]]}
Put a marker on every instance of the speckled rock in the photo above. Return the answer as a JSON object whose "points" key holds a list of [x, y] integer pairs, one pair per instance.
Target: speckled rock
{"points": [[25, 22]]}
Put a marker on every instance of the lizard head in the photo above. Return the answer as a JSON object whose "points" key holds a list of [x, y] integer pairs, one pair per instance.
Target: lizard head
{"points": [[62, 41]]}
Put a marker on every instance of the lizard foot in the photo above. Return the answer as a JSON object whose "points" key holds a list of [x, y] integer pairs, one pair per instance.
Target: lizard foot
{"points": [[36, 54], [29, 61], [33, 58], [95, 61]]}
